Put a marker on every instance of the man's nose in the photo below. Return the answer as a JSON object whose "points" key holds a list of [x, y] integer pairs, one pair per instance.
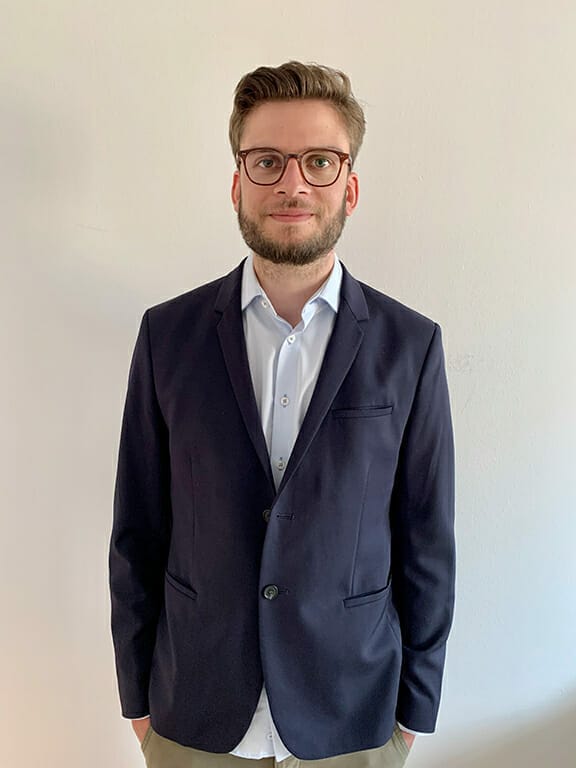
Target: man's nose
{"points": [[292, 181]]}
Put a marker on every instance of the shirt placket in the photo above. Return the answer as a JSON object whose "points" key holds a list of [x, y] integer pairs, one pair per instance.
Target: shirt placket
{"points": [[284, 411]]}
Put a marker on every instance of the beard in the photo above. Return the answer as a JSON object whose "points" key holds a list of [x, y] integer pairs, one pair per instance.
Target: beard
{"points": [[296, 254]]}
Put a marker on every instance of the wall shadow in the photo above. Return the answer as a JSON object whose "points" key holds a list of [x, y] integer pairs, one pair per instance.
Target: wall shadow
{"points": [[545, 741]]}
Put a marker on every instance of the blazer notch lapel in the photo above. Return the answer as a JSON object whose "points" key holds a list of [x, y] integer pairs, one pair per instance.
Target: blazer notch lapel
{"points": [[340, 353], [230, 331]]}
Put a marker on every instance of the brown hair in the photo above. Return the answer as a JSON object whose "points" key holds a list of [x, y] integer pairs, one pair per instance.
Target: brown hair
{"points": [[294, 80]]}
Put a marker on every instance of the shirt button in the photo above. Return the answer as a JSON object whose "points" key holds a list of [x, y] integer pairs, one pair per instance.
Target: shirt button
{"points": [[280, 464], [264, 303], [270, 592], [284, 400], [291, 339], [268, 735]]}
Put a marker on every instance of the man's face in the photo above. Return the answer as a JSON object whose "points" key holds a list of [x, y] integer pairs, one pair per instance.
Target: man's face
{"points": [[292, 222]]}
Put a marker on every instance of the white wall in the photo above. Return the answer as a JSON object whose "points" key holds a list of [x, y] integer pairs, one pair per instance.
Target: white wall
{"points": [[114, 195]]}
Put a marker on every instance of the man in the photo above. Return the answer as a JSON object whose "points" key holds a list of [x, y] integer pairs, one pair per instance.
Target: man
{"points": [[282, 554]]}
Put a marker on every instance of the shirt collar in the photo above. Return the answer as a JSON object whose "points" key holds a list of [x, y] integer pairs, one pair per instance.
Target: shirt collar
{"points": [[329, 291]]}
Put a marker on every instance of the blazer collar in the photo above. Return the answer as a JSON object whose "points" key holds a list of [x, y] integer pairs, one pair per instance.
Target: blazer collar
{"points": [[350, 291]]}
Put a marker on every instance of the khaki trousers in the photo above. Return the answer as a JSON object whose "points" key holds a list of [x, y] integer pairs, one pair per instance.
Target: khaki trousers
{"points": [[164, 753]]}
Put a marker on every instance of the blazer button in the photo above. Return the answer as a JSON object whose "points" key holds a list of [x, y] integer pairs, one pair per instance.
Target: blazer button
{"points": [[270, 592], [266, 514]]}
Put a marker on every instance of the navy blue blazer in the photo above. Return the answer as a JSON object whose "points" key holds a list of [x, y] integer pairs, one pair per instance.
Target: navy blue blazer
{"points": [[337, 590]]}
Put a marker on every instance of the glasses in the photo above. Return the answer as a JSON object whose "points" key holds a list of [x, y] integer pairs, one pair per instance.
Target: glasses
{"points": [[319, 167]]}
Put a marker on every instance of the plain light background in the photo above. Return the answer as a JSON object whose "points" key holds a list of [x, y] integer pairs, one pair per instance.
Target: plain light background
{"points": [[114, 195]]}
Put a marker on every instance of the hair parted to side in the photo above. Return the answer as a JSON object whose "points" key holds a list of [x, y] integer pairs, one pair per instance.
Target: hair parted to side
{"points": [[295, 80]]}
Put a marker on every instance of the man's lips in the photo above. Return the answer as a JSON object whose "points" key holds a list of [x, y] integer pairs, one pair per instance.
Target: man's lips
{"points": [[291, 216]]}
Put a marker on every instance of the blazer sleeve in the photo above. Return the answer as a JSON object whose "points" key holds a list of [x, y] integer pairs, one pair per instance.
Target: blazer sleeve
{"points": [[423, 549], [140, 530]]}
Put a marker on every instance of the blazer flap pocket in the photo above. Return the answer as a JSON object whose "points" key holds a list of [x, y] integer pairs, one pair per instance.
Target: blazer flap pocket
{"points": [[362, 411], [367, 597], [177, 584]]}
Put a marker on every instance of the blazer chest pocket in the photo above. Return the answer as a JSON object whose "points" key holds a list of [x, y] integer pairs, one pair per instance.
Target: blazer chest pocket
{"points": [[362, 412], [178, 585]]}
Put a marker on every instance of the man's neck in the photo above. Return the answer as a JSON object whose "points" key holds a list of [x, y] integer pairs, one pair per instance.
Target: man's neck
{"points": [[289, 287]]}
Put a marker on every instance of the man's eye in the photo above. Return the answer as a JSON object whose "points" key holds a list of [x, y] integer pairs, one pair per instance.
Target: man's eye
{"points": [[319, 162], [266, 161]]}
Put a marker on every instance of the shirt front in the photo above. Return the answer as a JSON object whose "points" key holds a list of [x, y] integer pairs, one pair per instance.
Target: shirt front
{"points": [[284, 366]]}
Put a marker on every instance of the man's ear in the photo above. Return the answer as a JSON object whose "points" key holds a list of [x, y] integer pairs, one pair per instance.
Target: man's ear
{"points": [[235, 192], [352, 192]]}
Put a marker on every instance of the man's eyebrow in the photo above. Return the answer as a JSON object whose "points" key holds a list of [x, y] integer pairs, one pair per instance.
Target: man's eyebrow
{"points": [[307, 149]]}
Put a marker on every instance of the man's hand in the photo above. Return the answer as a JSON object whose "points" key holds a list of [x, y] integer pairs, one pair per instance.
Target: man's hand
{"points": [[140, 727], [408, 738]]}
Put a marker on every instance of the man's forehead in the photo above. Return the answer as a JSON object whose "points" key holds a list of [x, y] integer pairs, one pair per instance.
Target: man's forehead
{"points": [[294, 126]]}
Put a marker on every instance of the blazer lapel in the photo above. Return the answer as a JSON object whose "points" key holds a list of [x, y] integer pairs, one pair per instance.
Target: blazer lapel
{"points": [[340, 353], [231, 335]]}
